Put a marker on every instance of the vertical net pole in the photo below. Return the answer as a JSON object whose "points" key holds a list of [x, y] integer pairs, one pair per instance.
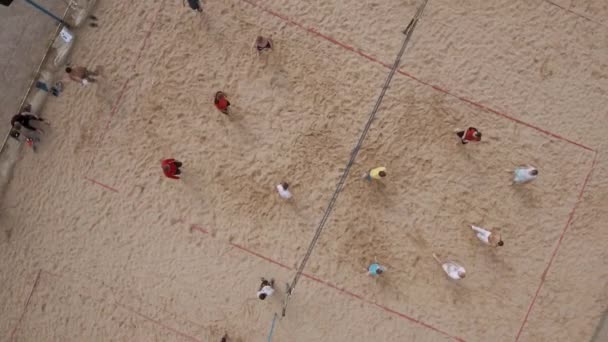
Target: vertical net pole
{"points": [[274, 319]]}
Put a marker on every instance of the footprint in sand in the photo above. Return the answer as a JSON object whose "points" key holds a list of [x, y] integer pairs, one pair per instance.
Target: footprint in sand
{"points": [[545, 70]]}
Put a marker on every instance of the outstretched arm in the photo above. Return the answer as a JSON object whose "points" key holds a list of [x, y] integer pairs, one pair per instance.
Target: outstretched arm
{"points": [[437, 259], [75, 78]]}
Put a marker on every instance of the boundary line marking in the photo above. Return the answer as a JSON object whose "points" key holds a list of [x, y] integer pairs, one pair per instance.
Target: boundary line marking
{"points": [[159, 323], [101, 184], [404, 73], [116, 292], [347, 292], [114, 302], [197, 228], [494, 111], [316, 32], [466, 100], [555, 250], [27, 304], [580, 15], [247, 250], [414, 320]]}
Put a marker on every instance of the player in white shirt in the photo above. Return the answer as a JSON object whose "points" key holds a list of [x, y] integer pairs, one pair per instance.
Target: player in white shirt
{"points": [[266, 289], [491, 238], [452, 269], [524, 174], [283, 192]]}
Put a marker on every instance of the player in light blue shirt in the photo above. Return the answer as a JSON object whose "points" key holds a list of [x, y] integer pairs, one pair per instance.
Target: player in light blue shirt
{"points": [[375, 269]]}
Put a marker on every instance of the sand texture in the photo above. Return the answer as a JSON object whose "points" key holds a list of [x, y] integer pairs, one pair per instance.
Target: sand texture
{"points": [[98, 245]]}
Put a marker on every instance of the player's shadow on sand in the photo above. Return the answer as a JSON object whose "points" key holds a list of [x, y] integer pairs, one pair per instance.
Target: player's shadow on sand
{"points": [[459, 291], [192, 181], [525, 193], [371, 194], [236, 125]]}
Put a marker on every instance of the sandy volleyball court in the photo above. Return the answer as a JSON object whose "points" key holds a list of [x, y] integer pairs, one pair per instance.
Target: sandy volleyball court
{"points": [[98, 245]]}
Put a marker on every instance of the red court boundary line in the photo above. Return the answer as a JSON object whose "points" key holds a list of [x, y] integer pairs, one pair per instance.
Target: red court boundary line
{"points": [[347, 292], [435, 87], [101, 184], [247, 250], [559, 242], [197, 228], [159, 323], [27, 304], [494, 111], [573, 12], [128, 308], [139, 54], [385, 308], [115, 290], [416, 321], [317, 33]]}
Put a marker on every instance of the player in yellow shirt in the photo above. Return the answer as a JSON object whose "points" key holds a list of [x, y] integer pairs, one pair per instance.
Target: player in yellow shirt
{"points": [[375, 173]]}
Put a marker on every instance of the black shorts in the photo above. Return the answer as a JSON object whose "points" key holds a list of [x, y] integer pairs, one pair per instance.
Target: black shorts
{"points": [[194, 4], [268, 46]]}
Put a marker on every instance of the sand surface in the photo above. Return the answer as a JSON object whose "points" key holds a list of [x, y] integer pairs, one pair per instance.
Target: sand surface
{"points": [[98, 245]]}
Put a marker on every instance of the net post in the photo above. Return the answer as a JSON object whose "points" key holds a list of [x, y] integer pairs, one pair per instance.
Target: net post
{"points": [[286, 299], [274, 319]]}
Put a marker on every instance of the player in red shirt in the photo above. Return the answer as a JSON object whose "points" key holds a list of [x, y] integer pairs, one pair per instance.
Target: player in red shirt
{"points": [[471, 134], [171, 168], [221, 102]]}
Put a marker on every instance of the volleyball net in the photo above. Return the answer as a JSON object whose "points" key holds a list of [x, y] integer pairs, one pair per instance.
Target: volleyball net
{"points": [[330, 206]]}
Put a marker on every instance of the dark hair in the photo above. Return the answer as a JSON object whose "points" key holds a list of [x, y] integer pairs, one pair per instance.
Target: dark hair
{"points": [[478, 134], [382, 173], [262, 296], [534, 172], [285, 185], [379, 271], [68, 70], [500, 243], [166, 167]]}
